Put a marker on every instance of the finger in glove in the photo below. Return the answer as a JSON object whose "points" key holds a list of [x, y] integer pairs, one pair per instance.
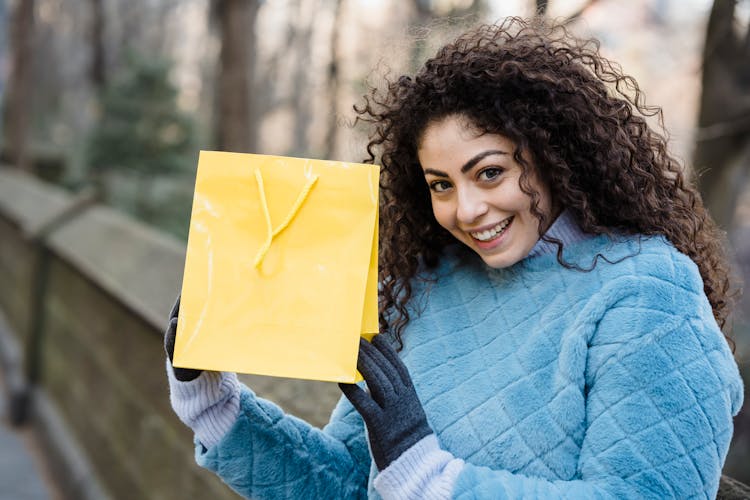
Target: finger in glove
{"points": [[377, 372], [391, 355], [181, 374]]}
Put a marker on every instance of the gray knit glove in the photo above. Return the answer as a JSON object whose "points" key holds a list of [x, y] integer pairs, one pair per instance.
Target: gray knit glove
{"points": [[392, 412], [181, 374]]}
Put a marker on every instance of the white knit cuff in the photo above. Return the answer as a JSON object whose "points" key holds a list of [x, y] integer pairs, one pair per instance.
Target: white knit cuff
{"points": [[209, 404], [423, 471]]}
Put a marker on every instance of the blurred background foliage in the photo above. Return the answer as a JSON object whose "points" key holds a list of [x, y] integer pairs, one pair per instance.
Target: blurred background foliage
{"points": [[140, 127], [122, 94], [141, 138]]}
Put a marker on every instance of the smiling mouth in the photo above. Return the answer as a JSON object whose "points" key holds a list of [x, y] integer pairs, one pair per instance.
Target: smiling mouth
{"points": [[492, 233]]}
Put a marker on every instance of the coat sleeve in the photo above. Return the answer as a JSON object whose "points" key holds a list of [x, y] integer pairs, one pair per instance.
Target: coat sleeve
{"points": [[661, 390], [269, 454]]}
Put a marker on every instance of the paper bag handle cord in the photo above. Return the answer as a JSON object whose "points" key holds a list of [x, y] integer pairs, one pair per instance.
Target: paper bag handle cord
{"points": [[270, 232]]}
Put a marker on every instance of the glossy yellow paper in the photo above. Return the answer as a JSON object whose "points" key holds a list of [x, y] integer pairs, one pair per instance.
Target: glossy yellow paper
{"points": [[281, 267]]}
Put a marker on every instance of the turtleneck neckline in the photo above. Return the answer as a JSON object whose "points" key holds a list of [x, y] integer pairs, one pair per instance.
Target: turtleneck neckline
{"points": [[565, 229]]}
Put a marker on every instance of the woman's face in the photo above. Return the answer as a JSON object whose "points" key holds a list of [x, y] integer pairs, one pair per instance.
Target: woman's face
{"points": [[476, 196]]}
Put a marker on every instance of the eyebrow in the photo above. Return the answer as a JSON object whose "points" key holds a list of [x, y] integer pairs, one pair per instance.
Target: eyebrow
{"points": [[469, 164]]}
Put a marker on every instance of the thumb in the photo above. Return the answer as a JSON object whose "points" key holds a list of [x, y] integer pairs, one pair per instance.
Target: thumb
{"points": [[169, 337]]}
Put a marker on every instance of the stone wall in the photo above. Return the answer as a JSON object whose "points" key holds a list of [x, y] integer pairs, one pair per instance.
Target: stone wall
{"points": [[87, 304]]}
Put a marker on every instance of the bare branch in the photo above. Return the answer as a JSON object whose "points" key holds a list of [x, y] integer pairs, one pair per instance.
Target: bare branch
{"points": [[727, 128], [579, 12]]}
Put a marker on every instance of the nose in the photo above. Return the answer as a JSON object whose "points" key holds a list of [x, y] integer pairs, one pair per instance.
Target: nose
{"points": [[470, 206]]}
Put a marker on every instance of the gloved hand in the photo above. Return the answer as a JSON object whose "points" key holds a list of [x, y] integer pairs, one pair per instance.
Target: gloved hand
{"points": [[181, 374], [392, 412]]}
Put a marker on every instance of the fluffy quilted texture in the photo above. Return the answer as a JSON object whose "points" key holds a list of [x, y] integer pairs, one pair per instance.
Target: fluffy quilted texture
{"points": [[549, 382]]}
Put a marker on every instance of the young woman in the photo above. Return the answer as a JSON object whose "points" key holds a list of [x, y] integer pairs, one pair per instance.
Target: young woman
{"points": [[552, 298]]}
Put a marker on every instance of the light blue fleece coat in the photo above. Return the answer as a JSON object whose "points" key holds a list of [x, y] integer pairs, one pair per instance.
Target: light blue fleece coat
{"points": [[541, 381]]}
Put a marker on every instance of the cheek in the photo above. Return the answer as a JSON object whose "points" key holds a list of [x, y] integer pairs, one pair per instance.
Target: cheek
{"points": [[441, 211], [544, 203], [524, 202]]}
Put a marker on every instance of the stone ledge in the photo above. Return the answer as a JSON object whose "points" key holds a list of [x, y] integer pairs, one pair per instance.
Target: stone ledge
{"points": [[139, 266], [27, 201], [136, 264]]}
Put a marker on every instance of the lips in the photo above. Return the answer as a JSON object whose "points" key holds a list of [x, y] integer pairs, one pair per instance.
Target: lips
{"points": [[491, 233]]}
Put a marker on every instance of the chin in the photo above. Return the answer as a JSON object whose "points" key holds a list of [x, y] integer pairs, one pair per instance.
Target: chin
{"points": [[504, 259], [498, 262]]}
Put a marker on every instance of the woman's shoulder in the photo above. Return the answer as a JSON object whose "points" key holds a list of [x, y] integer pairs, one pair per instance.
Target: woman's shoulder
{"points": [[654, 256], [608, 266], [603, 258], [635, 255], [646, 275]]}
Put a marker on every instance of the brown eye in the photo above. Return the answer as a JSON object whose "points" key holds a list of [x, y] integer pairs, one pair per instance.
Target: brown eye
{"points": [[440, 186], [490, 173]]}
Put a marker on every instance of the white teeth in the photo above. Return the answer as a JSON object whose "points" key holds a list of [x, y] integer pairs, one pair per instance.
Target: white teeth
{"points": [[491, 233]]}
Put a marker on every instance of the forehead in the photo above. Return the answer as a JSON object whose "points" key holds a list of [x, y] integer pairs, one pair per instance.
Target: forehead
{"points": [[455, 139], [449, 125]]}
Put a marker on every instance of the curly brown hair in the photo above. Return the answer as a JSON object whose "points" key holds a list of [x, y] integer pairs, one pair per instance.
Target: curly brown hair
{"points": [[578, 119]]}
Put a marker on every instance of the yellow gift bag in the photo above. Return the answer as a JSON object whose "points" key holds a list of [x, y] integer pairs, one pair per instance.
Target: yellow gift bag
{"points": [[281, 267]]}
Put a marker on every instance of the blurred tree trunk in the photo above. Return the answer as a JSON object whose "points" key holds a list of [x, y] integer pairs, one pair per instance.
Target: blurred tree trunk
{"points": [[17, 111], [306, 20], [97, 71], [422, 16], [425, 12], [541, 7], [333, 83], [235, 129], [723, 138]]}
